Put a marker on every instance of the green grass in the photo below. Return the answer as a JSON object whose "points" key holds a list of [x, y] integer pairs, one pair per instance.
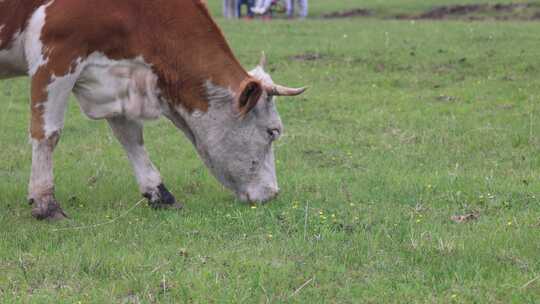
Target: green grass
{"points": [[405, 125]]}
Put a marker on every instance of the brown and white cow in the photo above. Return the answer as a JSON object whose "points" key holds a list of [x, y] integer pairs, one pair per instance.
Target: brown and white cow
{"points": [[128, 61]]}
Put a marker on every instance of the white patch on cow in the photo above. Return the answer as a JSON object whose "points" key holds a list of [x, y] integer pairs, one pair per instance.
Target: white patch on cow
{"points": [[55, 107], [109, 88], [33, 46], [12, 60], [41, 178], [259, 73]]}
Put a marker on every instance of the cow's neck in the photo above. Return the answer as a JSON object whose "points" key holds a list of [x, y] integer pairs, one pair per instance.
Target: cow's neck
{"points": [[189, 53]]}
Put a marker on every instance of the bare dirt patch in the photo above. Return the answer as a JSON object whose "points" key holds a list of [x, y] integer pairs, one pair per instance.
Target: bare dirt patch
{"points": [[358, 12], [307, 57], [480, 11], [460, 219], [472, 12]]}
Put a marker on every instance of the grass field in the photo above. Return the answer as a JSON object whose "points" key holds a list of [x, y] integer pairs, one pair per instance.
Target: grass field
{"points": [[405, 125]]}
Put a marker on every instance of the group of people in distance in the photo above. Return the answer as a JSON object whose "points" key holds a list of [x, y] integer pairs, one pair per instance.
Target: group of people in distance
{"points": [[233, 8]]}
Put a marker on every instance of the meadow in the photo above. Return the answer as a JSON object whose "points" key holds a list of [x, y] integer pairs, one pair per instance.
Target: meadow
{"points": [[406, 125]]}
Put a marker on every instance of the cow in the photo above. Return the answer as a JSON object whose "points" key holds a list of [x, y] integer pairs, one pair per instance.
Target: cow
{"points": [[130, 61]]}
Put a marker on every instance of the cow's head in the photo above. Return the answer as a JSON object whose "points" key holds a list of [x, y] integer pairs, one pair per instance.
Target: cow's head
{"points": [[234, 136]]}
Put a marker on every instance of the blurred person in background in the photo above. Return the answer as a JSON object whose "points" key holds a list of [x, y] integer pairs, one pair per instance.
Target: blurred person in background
{"points": [[249, 4], [302, 8], [230, 9], [262, 6]]}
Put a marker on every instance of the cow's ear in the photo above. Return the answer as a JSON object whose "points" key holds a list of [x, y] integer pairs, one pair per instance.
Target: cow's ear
{"points": [[251, 93]]}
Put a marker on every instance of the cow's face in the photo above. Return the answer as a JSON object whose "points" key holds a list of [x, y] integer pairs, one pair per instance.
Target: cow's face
{"points": [[235, 136]]}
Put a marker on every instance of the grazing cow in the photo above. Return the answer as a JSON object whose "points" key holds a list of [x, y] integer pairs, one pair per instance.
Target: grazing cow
{"points": [[128, 61]]}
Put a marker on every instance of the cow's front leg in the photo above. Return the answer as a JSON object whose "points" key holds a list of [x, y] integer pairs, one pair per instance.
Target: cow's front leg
{"points": [[130, 134], [49, 101], [41, 188]]}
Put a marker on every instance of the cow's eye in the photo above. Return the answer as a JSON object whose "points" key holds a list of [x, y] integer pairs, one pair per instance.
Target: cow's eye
{"points": [[273, 133]]}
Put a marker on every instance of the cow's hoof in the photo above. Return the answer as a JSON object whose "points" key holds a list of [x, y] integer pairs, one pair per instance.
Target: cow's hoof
{"points": [[162, 199], [48, 210]]}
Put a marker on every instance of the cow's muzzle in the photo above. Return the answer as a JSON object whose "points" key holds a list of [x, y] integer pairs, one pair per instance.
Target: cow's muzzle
{"points": [[258, 195]]}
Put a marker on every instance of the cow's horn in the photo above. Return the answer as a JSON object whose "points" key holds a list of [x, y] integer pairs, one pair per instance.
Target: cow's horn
{"points": [[262, 61], [277, 90]]}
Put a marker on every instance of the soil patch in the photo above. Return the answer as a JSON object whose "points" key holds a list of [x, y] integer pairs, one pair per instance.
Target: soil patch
{"points": [[358, 12], [307, 57], [478, 11], [483, 11]]}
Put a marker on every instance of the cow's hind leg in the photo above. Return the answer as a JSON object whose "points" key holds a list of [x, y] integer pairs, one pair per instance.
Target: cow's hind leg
{"points": [[130, 134], [49, 102]]}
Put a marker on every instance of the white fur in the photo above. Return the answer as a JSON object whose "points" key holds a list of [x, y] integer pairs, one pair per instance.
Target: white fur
{"points": [[33, 45], [58, 92], [41, 178], [108, 88], [259, 73]]}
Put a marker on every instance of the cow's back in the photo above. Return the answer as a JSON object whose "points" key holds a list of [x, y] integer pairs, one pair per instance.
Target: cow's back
{"points": [[178, 38], [81, 26]]}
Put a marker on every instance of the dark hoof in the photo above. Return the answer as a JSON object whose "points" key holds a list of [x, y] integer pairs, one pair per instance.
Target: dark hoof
{"points": [[48, 210], [162, 199]]}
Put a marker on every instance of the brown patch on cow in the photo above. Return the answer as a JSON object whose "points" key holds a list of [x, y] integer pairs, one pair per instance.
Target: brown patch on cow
{"points": [[179, 39]]}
